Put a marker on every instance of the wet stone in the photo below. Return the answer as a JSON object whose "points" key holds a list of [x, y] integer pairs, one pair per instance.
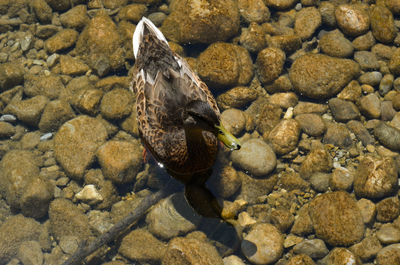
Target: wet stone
{"points": [[280, 4], [389, 255], [263, 244], [371, 78], [191, 251], [311, 124], [388, 234], [382, 24], [388, 209], [285, 136], [327, 10], [42, 10], [388, 136], [314, 248], [303, 224], [367, 60], [284, 100], [386, 84], [367, 248], [54, 115], [172, 217], [227, 183], [236, 97], [116, 104], [6, 130], [343, 110], [308, 107], [394, 63], [310, 71], [351, 92], [11, 74], [282, 219], [61, 41], [255, 156], [120, 161], [335, 44], [342, 179], [233, 260], [337, 134], [375, 177], [269, 64], [306, 22], [267, 117], [320, 181], [318, 160], [72, 66], [133, 12], [234, 120], [352, 19], [76, 143], [300, 259], [364, 42], [88, 100], [370, 106], [30, 253], [253, 188], [339, 256], [337, 219], [49, 86], [140, 245], [387, 111], [367, 209], [253, 38], [75, 18], [253, 10]]}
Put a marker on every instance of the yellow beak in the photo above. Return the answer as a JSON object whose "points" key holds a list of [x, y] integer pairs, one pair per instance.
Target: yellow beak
{"points": [[227, 138]]}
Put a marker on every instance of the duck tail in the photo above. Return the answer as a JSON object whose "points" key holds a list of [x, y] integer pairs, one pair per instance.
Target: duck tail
{"points": [[144, 27]]}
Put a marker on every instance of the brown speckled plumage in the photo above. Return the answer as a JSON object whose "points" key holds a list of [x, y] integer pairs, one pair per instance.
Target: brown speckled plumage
{"points": [[164, 85]]}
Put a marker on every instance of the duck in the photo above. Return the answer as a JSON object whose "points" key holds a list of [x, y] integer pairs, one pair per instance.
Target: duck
{"points": [[178, 118]]}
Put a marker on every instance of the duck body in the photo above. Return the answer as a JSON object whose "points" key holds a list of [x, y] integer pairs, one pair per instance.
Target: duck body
{"points": [[178, 118]]}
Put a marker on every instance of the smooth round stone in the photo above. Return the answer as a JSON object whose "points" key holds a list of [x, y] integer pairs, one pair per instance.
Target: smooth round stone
{"points": [[389, 255], [335, 44], [312, 124], [342, 179], [337, 134], [343, 110], [327, 10], [233, 120], [388, 234], [382, 24], [340, 256], [253, 38], [318, 160], [367, 248], [375, 177], [269, 64], [388, 136], [352, 19], [233, 260], [255, 156], [337, 219], [367, 209], [394, 63], [314, 248], [320, 181], [263, 244], [364, 42], [306, 22], [253, 10], [371, 78]]}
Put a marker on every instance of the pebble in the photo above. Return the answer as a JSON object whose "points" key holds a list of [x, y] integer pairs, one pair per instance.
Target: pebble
{"points": [[282, 219], [337, 219], [308, 72], [66, 219], [7, 130], [30, 253], [55, 114], [312, 124], [339, 256], [327, 10], [253, 38], [220, 21], [76, 143], [352, 19], [387, 111], [225, 65], [306, 22], [28, 110], [11, 74], [263, 244], [233, 260], [280, 4], [133, 12], [367, 248], [253, 188], [157, 18], [141, 245], [89, 194], [361, 132], [342, 179], [318, 160], [382, 24], [61, 41], [266, 115], [191, 251], [388, 209], [386, 84], [43, 11], [285, 136], [388, 234], [72, 66], [269, 64], [335, 44], [367, 60], [309, 107], [255, 156], [370, 106], [8, 118], [116, 104], [234, 121], [320, 181], [343, 110], [227, 183], [75, 18], [14, 231], [375, 177], [284, 100], [388, 136], [49, 86], [314, 248], [236, 97], [371, 78], [253, 10], [172, 217], [388, 255], [394, 63], [367, 209], [300, 259], [337, 134], [364, 42]]}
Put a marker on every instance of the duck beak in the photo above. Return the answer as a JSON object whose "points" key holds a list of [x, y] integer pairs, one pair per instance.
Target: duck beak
{"points": [[227, 138]]}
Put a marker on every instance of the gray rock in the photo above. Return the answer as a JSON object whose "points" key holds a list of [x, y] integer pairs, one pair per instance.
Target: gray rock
{"points": [[172, 217], [387, 111], [314, 248], [343, 110], [371, 78], [263, 244], [386, 84], [76, 143], [255, 156], [316, 75], [367, 60], [388, 136], [30, 253], [375, 177]]}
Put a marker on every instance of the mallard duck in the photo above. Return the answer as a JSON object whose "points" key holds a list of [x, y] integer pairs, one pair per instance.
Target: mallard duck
{"points": [[178, 118]]}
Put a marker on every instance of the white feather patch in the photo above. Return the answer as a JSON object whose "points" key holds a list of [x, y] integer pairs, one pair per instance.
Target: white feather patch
{"points": [[138, 34]]}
